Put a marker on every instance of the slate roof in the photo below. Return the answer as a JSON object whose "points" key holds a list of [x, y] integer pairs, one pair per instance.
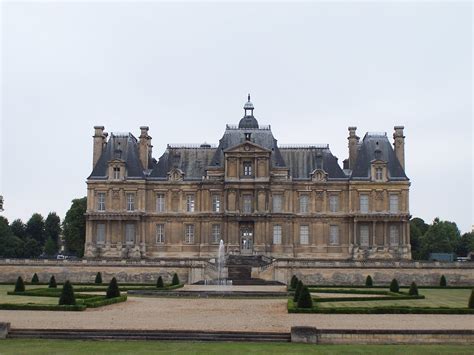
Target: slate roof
{"points": [[367, 153]]}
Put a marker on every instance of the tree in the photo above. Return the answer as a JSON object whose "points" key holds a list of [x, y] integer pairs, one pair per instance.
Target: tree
{"points": [[52, 227], [441, 237], [466, 244], [10, 245], [413, 289], [305, 300], [35, 279], [98, 278], [442, 281], [18, 228], [471, 300], [74, 227], [35, 228], [159, 283], [368, 281], [420, 224], [50, 248], [394, 287], [113, 289], [299, 287], [32, 248], [175, 280], [293, 282], [52, 282], [67, 295], [415, 241], [19, 285]]}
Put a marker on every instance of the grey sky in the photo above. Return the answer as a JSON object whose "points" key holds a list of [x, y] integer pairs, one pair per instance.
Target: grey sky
{"points": [[313, 69]]}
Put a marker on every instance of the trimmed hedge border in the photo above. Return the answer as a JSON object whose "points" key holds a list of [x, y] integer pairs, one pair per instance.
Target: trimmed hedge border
{"points": [[375, 286], [355, 291], [102, 301], [42, 307], [356, 299]]}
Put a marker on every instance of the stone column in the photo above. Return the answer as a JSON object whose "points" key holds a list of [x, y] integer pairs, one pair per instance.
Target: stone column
{"points": [[384, 233], [373, 233], [355, 232]]}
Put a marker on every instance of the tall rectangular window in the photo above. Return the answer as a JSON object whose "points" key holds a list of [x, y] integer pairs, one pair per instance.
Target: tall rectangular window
{"points": [[247, 168], [277, 202], [394, 235], [304, 204], [364, 203], [160, 203], [334, 235], [276, 234], [116, 173], [101, 201], [216, 233], [378, 174], [333, 203], [189, 203], [364, 235], [100, 237], [247, 205], [393, 203], [189, 234], [216, 203], [130, 233], [304, 234], [160, 233], [130, 202]]}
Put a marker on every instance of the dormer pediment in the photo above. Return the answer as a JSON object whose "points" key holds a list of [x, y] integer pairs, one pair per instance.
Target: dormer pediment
{"points": [[175, 174], [247, 147], [319, 175]]}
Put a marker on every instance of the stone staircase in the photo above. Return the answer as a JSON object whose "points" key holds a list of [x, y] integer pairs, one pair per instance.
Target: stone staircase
{"points": [[240, 269]]}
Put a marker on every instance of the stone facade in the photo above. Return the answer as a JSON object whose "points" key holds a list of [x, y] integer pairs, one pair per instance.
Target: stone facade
{"points": [[257, 196]]}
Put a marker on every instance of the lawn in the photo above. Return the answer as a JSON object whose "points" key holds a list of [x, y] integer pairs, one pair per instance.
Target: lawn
{"points": [[40, 346], [4, 298]]}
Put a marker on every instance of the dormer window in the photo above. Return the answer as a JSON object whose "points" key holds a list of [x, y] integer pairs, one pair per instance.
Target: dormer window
{"points": [[247, 136], [116, 173], [247, 168], [378, 174]]}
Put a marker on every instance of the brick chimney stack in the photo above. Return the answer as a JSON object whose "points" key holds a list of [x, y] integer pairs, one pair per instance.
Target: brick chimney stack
{"points": [[100, 139], [353, 146], [145, 147], [399, 144]]}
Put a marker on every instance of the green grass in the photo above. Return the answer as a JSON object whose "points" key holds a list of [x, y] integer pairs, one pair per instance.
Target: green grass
{"points": [[4, 298], [39, 346]]}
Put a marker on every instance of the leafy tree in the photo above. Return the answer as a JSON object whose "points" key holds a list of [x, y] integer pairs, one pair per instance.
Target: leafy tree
{"points": [[18, 228], [35, 228], [74, 226], [466, 244], [52, 227], [368, 281], [32, 248], [19, 285], [113, 289], [35, 279], [98, 278], [305, 300], [52, 282], [471, 300], [50, 248], [394, 287], [67, 295], [159, 283], [10, 245], [293, 282], [441, 237], [299, 287], [420, 224], [175, 280], [442, 281], [415, 241], [413, 289]]}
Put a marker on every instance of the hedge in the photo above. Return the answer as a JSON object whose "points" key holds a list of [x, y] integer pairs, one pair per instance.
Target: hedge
{"points": [[102, 301], [378, 286], [355, 299], [357, 292], [42, 307]]}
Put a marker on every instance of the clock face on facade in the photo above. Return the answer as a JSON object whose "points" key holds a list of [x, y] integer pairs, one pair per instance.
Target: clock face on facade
{"points": [[247, 148]]}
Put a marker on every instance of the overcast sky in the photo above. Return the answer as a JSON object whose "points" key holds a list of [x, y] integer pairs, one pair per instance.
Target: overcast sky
{"points": [[313, 69]]}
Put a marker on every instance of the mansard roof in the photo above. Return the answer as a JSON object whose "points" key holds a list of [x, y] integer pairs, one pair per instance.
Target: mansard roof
{"points": [[371, 143]]}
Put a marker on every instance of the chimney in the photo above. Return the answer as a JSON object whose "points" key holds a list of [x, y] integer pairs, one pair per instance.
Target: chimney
{"points": [[353, 146], [399, 144], [99, 143], [145, 147]]}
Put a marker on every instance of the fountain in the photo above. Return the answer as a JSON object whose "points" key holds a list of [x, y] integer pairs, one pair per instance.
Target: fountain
{"points": [[220, 263]]}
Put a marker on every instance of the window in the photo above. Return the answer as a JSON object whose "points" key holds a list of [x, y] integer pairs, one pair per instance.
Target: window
{"points": [[101, 201], [394, 235], [216, 233], [277, 203], [189, 234], [130, 233], [160, 233], [378, 174], [333, 235], [333, 203], [276, 234], [189, 203], [364, 203], [247, 204], [304, 234], [130, 202], [393, 203], [116, 172], [100, 237], [160, 203], [216, 203], [364, 236], [304, 202], [247, 168]]}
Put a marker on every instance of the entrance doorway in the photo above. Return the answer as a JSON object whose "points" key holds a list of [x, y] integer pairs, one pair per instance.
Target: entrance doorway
{"points": [[246, 238]]}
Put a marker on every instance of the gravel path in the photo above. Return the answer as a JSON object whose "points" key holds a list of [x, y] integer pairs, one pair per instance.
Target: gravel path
{"points": [[220, 314]]}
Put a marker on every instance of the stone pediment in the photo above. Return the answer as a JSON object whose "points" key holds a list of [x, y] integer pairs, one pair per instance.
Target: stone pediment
{"points": [[175, 174], [247, 147], [319, 175]]}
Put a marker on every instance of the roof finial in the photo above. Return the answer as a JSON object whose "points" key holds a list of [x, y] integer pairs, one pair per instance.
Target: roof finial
{"points": [[249, 97]]}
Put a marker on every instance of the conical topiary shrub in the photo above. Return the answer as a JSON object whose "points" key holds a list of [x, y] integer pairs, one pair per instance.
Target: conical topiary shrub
{"points": [[67, 295], [305, 300], [35, 279], [113, 289], [394, 287], [19, 285], [159, 283], [413, 289], [293, 282], [52, 282], [175, 280], [471, 300], [299, 287], [442, 281], [98, 278], [368, 281]]}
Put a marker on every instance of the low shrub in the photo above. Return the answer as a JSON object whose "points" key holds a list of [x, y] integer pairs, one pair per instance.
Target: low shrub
{"points": [[293, 282], [98, 278], [35, 279], [113, 289], [394, 287], [19, 285], [368, 281], [442, 281], [470, 304], [41, 307], [67, 295], [305, 300], [52, 282], [175, 280], [103, 301], [159, 282], [413, 289], [299, 287], [362, 299]]}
